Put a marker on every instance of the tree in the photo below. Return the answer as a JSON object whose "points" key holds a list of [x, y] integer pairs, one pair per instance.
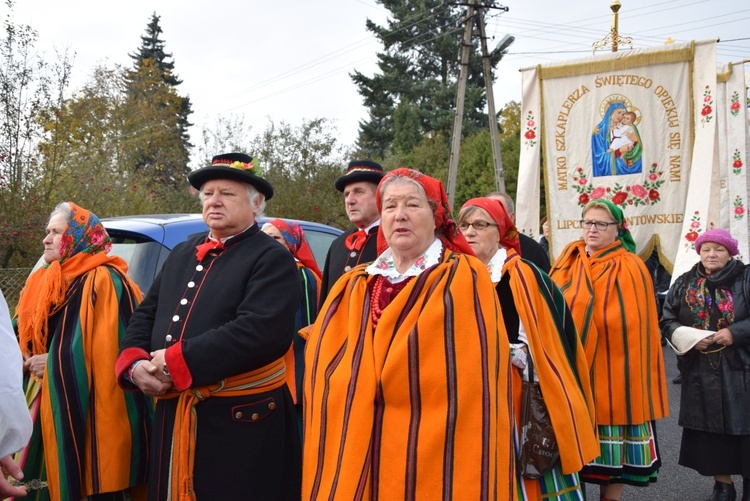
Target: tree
{"points": [[419, 68], [29, 88], [302, 163], [97, 170], [152, 91], [227, 134]]}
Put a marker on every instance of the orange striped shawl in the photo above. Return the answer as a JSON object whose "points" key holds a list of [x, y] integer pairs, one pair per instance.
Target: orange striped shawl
{"points": [[563, 374], [419, 408], [111, 434], [611, 297]]}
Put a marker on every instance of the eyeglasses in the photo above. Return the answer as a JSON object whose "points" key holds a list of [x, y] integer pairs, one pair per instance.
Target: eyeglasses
{"points": [[600, 225], [477, 225]]}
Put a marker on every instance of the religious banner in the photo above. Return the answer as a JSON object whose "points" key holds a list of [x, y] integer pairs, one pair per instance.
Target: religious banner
{"points": [[721, 202], [733, 154], [620, 127]]}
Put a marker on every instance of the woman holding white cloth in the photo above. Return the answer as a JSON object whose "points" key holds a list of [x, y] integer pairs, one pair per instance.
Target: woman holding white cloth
{"points": [[706, 318]]}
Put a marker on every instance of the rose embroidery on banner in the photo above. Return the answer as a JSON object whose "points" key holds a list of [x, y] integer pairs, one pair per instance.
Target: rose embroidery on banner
{"points": [[530, 133], [739, 208], [736, 162], [735, 106], [636, 194], [707, 110], [695, 230]]}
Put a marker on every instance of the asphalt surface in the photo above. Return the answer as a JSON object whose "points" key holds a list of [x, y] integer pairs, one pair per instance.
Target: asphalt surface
{"points": [[675, 482]]}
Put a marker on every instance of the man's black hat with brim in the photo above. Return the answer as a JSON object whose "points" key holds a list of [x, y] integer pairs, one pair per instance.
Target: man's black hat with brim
{"points": [[360, 170], [236, 166]]}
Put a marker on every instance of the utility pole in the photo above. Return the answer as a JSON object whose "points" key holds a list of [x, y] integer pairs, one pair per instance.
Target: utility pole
{"points": [[460, 96], [494, 132], [475, 14]]}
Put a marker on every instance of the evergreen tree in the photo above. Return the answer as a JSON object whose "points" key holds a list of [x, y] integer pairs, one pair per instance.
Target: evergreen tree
{"points": [[152, 85], [420, 66], [152, 47]]}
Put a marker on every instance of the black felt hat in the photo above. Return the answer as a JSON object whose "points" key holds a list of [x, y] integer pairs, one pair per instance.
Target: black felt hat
{"points": [[237, 166], [360, 170]]}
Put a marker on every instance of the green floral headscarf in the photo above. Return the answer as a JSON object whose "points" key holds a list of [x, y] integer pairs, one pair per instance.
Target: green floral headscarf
{"points": [[623, 233]]}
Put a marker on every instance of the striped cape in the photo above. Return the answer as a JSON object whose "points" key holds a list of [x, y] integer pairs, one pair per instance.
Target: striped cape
{"points": [[611, 297], [93, 435], [419, 408], [559, 361], [306, 314]]}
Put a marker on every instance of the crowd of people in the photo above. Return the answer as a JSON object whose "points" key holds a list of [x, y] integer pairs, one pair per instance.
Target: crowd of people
{"points": [[399, 371]]}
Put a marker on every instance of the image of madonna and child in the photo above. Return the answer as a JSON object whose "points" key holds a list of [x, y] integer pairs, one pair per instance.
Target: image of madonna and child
{"points": [[616, 146]]}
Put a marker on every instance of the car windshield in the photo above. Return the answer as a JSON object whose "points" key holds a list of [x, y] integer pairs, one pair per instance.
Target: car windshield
{"points": [[145, 256], [144, 242]]}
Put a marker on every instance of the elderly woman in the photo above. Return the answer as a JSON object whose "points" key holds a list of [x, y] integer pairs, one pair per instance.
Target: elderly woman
{"points": [[706, 317], [538, 323], [405, 386], [89, 438], [609, 291], [292, 237]]}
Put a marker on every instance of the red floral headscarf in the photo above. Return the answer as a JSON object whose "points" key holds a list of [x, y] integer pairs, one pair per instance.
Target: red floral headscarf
{"points": [[508, 231], [445, 226], [85, 233], [294, 236], [83, 246]]}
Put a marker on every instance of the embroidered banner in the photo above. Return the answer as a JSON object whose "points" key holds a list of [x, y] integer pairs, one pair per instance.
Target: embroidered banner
{"points": [[733, 128], [620, 127]]}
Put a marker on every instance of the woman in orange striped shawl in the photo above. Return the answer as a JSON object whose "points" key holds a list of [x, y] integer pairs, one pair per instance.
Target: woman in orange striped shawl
{"points": [[89, 438], [406, 383], [611, 297], [537, 322]]}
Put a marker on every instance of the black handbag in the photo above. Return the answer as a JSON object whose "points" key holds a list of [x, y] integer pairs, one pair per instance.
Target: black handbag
{"points": [[539, 452]]}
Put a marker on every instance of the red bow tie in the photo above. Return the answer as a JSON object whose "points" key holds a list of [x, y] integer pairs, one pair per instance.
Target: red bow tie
{"points": [[205, 247], [356, 240]]}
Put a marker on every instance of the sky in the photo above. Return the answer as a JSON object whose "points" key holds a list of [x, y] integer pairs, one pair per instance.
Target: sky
{"points": [[291, 61]]}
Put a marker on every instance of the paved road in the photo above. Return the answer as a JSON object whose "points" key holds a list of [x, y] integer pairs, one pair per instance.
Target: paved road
{"points": [[675, 482]]}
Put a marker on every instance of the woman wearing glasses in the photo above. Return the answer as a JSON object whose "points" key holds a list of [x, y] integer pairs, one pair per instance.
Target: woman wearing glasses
{"points": [[610, 294], [539, 326]]}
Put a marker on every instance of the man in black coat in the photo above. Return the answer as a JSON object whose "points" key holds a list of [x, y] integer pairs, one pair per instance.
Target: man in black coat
{"points": [[530, 248], [209, 341], [358, 245]]}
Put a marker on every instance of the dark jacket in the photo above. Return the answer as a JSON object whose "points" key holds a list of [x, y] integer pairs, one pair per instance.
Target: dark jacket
{"points": [[715, 386], [339, 259], [232, 313], [532, 251]]}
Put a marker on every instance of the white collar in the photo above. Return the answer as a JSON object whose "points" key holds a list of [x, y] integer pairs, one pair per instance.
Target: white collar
{"points": [[495, 266], [385, 266], [373, 225]]}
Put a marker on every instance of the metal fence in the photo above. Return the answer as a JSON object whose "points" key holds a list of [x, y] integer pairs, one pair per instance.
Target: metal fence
{"points": [[11, 283]]}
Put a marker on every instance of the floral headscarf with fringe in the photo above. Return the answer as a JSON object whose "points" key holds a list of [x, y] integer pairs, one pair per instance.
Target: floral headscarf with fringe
{"points": [[294, 236], [83, 246]]}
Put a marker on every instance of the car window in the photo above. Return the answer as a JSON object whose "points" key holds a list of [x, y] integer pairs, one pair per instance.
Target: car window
{"points": [[319, 242], [144, 257], [145, 245]]}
